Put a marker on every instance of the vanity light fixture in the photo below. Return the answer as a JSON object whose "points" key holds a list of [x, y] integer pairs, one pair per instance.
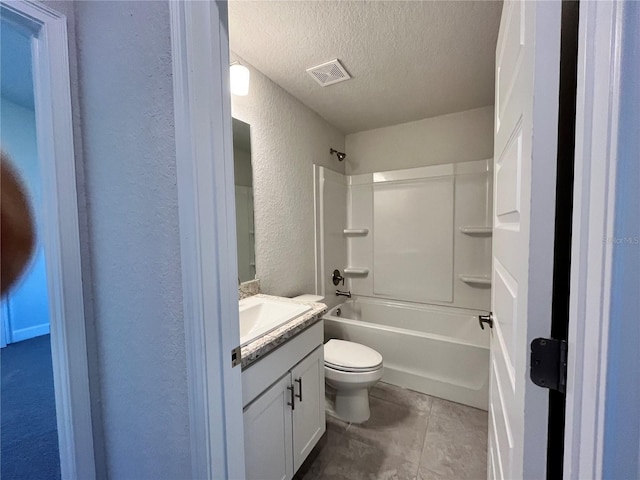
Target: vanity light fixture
{"points": [[239, 77]]}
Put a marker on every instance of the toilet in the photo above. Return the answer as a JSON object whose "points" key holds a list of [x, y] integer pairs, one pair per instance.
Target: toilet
{"points": [[350, 369]]}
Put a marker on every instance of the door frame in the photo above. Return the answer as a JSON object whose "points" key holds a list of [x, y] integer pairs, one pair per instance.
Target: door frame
{"points": [[203, 121], [597, 108], [206, 199], [54, 127]]}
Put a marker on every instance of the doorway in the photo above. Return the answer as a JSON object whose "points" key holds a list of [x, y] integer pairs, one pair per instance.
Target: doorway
{"points": [[29, 440], [45, 131]]}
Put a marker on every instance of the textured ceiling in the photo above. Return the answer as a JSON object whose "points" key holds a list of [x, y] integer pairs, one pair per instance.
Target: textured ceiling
{"points": [[408, 60]]}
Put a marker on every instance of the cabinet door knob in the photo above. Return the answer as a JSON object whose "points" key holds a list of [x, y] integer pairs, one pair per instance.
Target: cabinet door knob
{"points": [[292, 403], [299, 381]]}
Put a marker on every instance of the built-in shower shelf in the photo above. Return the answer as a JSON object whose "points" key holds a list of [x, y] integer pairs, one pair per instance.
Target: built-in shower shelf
{"points": [[353, 232], [356, 271], [479, 231], [476, 279]]}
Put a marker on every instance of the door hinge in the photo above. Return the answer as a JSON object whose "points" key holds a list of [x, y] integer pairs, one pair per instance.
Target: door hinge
{"points": [[549, 363], [236, 357]]}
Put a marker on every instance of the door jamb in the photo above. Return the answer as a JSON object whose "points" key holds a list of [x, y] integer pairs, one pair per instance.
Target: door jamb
{"points": [[206, 199], [594, 203], [54, 127]]}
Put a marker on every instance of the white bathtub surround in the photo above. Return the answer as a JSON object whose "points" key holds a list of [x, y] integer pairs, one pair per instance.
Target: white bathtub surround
{"points": [[330, 194], [415, 249], [440, 351], [248, 289], [411, 219], [418, 235]]}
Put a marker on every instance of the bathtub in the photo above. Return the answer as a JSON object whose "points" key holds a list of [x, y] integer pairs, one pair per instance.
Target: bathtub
{"points": [[440, 351]]}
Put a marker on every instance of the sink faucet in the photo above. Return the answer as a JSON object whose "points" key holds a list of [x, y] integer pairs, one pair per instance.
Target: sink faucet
{"points": [[340, 293]]}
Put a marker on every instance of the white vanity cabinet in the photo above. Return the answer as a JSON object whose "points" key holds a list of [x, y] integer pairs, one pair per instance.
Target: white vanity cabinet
{"points": [[268, 442], [308, 414], [285, 420]]}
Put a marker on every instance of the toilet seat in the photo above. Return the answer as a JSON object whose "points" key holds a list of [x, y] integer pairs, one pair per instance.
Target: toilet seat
{"points": [[352, 357], [340, 368]]}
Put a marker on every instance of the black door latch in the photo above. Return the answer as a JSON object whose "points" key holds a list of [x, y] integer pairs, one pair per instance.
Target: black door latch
{"points": [[488, 319]]}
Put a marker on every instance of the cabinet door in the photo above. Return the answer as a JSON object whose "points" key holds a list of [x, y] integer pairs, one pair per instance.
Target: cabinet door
{"points": [[308, 415], [267, 434]]}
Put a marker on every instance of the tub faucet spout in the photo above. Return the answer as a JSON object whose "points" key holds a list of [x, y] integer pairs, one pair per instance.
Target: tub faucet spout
{"points": [[340, 293]]}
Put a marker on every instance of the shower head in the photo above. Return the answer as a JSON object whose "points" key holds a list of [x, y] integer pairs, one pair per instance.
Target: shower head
{"points": [[341, 155]]}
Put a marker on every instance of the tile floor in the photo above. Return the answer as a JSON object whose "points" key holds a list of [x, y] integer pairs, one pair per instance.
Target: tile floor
{"points": [[409, 436]]}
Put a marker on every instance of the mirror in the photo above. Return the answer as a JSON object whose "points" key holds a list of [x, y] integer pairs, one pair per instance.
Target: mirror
{"points": [[244, 200]]}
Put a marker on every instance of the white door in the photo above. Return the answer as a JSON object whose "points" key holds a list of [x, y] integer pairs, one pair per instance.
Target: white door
{"points": [[308, 415], [525, 142], [267, 434]]}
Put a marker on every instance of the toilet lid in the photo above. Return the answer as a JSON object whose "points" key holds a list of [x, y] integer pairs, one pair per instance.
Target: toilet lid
{"points": [[350, 356]]}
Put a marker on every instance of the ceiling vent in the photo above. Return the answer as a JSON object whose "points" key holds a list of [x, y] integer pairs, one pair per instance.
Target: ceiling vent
{"points": [[329, 73]]}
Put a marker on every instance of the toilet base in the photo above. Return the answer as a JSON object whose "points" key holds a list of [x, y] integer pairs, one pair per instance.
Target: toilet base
{"points": [[353, 405]]}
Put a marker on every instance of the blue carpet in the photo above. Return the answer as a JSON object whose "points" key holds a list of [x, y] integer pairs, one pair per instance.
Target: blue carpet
{"points": [[29, 439]]}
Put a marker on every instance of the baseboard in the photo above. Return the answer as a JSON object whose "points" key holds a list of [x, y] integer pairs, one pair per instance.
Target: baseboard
{"points": [[31, 332]]}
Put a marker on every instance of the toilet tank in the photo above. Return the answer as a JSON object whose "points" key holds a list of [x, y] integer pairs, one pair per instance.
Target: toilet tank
{"points": [[307, 297]]}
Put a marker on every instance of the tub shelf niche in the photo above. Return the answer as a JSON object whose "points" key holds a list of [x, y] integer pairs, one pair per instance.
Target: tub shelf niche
{"points": [[476, 279], [356, 232], [353, 271], [477, 231]]}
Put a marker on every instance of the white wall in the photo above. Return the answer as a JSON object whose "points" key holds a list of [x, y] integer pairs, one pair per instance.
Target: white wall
{"points": [[120, 55], [19, 141], [457, 137], [622, 403], [287, 138], [27, 305]]}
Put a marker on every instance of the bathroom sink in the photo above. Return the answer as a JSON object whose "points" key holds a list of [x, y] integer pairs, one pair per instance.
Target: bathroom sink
{"points": [[259, 316]]}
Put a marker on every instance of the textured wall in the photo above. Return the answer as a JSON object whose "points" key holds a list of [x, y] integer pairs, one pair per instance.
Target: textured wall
{"points": [[287, 138], [125, 93], [457, 137]]}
